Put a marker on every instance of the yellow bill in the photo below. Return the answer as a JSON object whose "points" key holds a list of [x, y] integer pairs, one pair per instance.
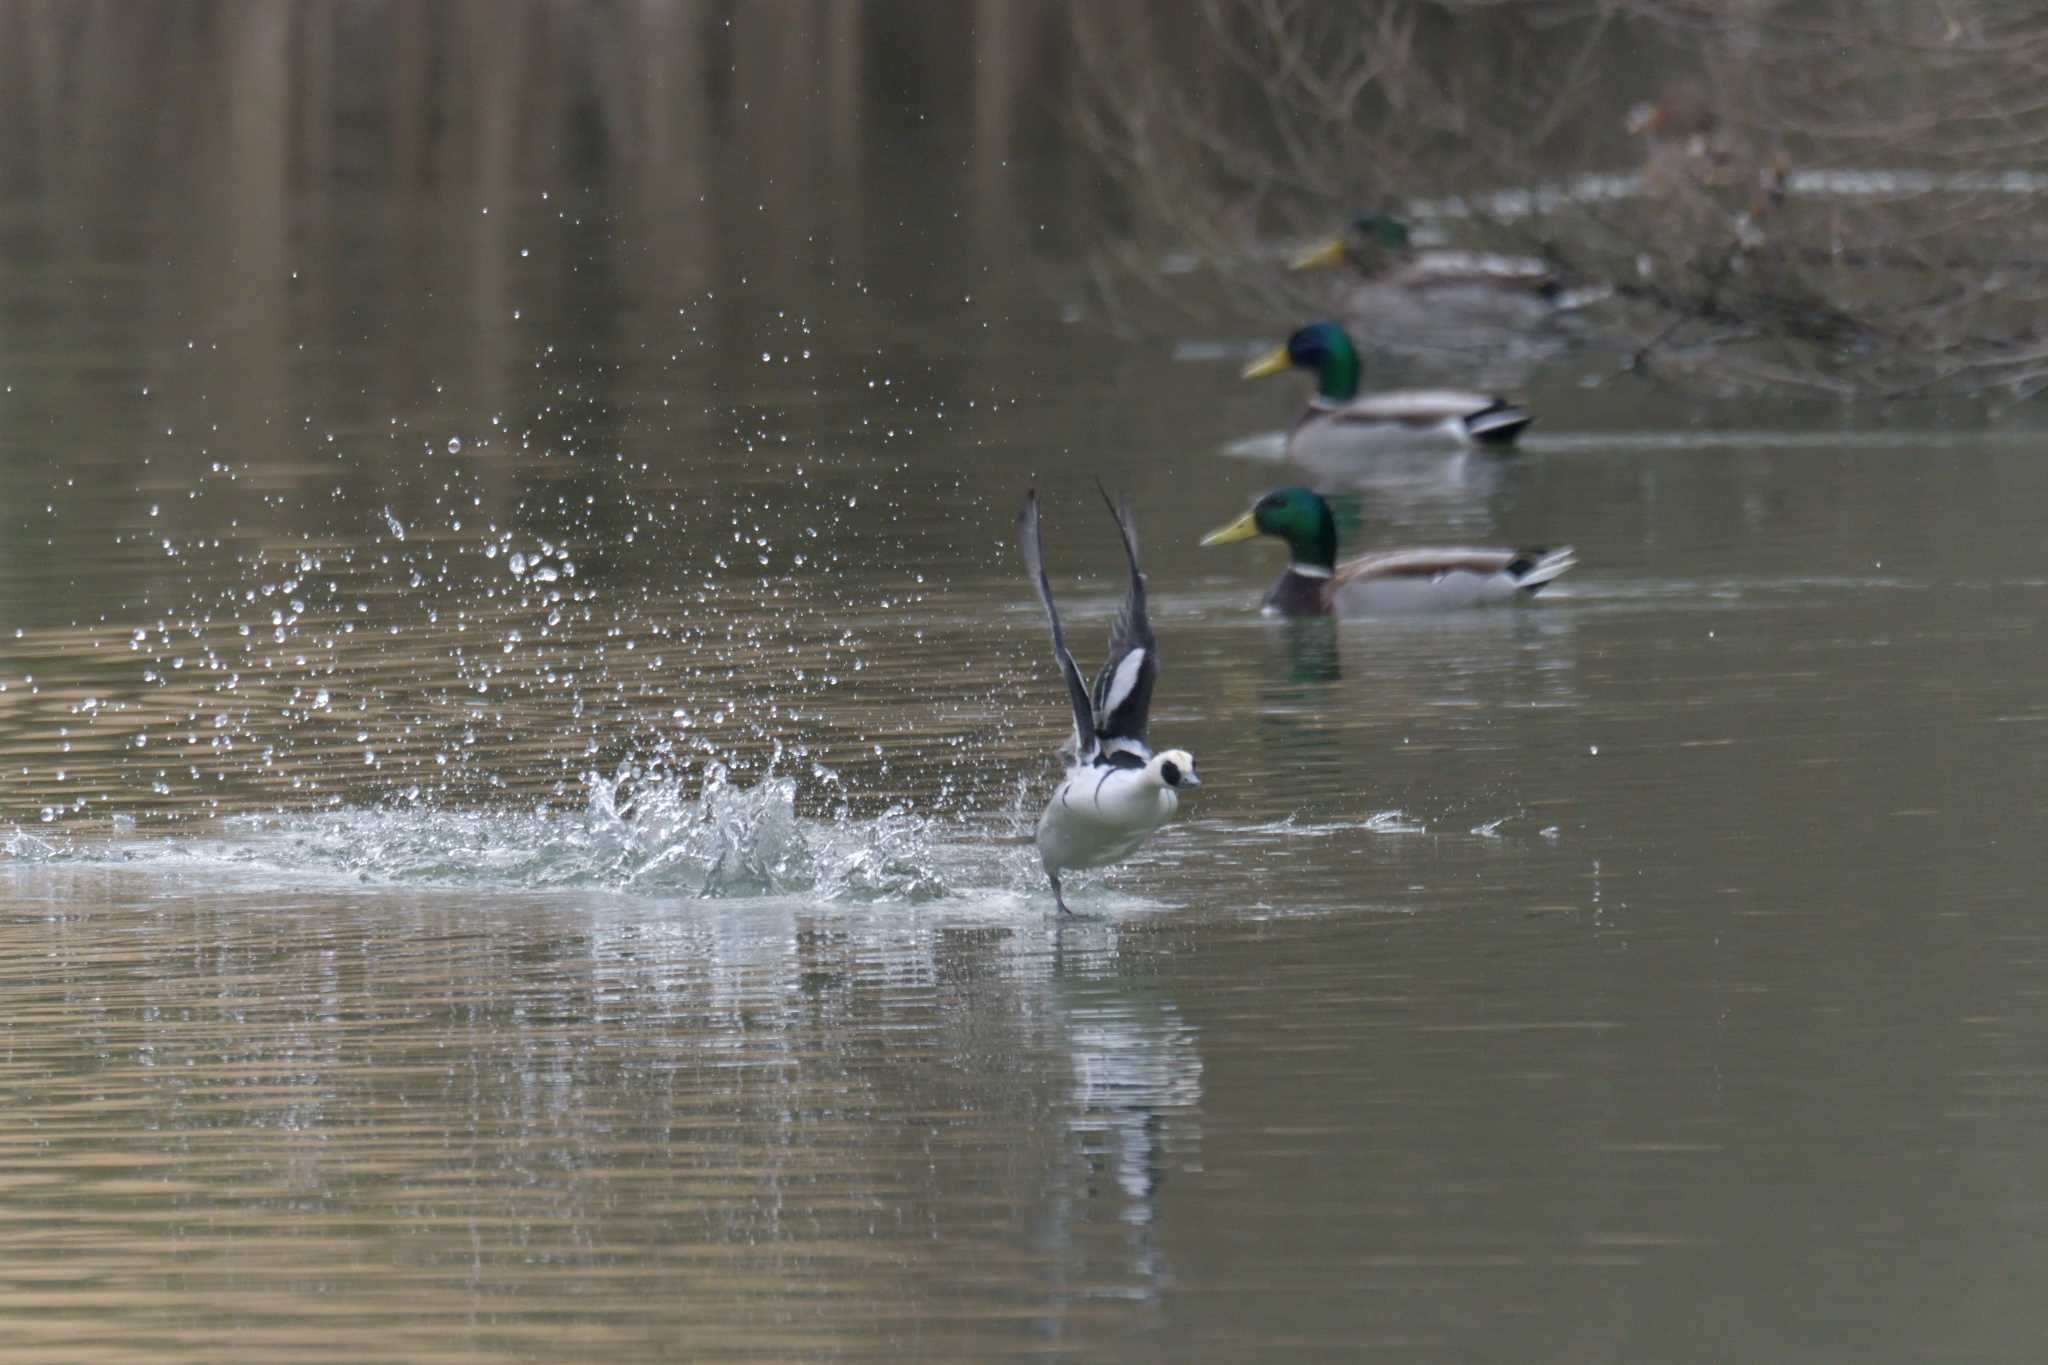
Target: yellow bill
{"points": [[1323, 257], [1274, 361], [1244, 528]]}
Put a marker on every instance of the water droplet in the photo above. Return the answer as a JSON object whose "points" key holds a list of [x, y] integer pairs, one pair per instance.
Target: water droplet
{"points": [[454, 445]]}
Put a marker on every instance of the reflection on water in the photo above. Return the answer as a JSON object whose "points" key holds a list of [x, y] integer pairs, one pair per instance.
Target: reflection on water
{"points": [[1137, 1101], [464, 1103]]}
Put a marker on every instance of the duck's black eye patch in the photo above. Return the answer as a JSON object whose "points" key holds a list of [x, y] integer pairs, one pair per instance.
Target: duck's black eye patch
{"points": [[1169, 773]]}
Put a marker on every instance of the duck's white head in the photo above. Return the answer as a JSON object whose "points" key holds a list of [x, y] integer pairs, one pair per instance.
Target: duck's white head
{"points": [[1173, 768]]}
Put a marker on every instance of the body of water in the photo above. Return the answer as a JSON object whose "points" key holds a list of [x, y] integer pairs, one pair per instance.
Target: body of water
{"points": [[521, 720]]}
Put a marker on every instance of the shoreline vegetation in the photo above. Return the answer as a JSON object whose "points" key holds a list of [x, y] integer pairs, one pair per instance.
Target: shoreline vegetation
{"points": [[1818, 196], [1838, 198]]}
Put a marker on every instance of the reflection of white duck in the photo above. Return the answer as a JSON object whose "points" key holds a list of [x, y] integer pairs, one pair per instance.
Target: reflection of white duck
{"points": [[1117, 792], [1340, 422], [1136, 1107], [1131, 1072]]}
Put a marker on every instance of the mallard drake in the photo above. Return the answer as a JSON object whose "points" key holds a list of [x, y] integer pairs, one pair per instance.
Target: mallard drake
{"points": [[1315, 584], [1116, 791], [1340, 422], [1380, 248]]}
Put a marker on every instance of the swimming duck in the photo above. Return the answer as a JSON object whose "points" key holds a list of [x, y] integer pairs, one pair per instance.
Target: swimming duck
{"points": [[1339, 422], [1116, 791], [1315, 584], [1379, 247]]}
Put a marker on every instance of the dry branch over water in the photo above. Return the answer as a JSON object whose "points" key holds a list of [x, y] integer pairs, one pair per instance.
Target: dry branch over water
{"points": [[1804, 194]]}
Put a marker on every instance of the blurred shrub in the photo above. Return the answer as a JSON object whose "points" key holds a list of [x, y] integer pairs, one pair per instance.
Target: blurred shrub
{"points": [[1839, 194]]}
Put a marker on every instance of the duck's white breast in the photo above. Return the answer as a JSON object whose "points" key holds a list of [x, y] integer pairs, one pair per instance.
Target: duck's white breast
{"points": [[1099, 816]]}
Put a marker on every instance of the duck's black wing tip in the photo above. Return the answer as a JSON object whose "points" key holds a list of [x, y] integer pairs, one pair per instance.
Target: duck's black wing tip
{"points": [[1498, 425], [1123, 689], [1034, 564]]}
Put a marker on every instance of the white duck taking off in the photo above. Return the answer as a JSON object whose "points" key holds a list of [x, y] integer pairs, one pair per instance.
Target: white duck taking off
{"points": [[1116, 791], [1315, 584], [1340, 421]]}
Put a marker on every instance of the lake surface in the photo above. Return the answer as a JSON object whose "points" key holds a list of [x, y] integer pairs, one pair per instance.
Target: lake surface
{"points": [[521, 720]]}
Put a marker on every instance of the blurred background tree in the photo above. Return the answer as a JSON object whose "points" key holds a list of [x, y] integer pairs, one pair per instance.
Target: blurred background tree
{"points": [[1810, 194], [1830, 194]]}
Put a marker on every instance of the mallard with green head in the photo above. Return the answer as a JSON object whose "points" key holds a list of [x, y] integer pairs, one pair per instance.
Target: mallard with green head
{"points": [[1340, 422], [1379, 248], [1315, 584]]}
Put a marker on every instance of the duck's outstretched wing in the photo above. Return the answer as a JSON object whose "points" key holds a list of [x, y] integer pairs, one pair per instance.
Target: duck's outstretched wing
{"points": [[1077, 691], [1123, 689]]}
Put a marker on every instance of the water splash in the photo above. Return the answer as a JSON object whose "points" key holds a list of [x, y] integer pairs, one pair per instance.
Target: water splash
{"points": [[651, 834], [644, 833], [18, 845], [1395, 822], [640, 833]]}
